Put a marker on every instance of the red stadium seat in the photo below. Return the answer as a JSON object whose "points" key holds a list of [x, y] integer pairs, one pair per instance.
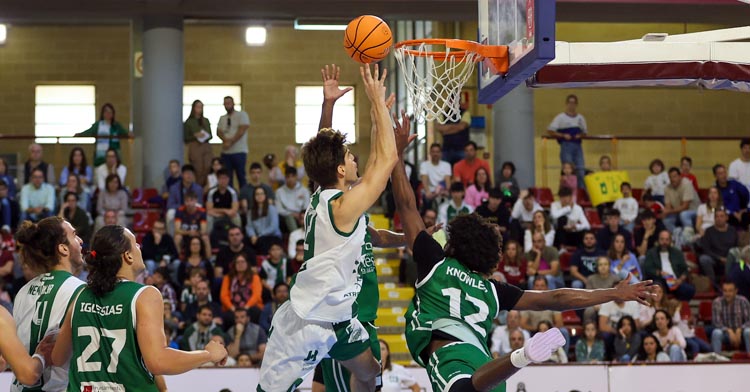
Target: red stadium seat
{"points": [[685, 312], [544, 196], [570, 317], [593, 218], [141, 197], [143, 221], [700, 333], [703, 194], [637, 193], [704, 311], [565, 262], [582, 198], [740, 356]]}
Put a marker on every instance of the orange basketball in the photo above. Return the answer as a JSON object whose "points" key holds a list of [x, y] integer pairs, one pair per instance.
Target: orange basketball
{"points": [[367, 39]]}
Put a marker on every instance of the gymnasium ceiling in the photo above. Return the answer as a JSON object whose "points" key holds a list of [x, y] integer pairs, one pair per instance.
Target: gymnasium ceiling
{"points": [[88, 11]]}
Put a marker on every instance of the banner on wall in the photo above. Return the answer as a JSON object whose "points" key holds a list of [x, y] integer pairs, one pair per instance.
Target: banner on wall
{"points": [[604, 187]]}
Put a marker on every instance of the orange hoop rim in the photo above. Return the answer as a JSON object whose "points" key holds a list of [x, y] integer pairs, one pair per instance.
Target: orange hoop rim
{"points": [[464, 48]]}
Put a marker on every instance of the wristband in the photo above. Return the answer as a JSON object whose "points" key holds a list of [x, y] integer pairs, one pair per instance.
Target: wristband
{"points": [[518, 358], [41, 359]]}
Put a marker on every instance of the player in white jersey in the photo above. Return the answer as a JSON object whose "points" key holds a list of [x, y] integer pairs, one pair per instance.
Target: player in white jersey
{"points": [[52, 249], [319, 319], [26, 368]]}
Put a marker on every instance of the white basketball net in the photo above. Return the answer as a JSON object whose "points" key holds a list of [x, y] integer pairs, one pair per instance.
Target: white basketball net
{"points": [[435, 85]]}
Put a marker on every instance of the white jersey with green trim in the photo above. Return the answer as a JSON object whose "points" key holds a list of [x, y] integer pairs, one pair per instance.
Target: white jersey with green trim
{"points": [[40, 307], [327, 284]]}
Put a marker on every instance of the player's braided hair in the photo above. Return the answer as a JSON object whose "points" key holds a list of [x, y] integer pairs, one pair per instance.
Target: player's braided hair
{"points": [[322, 155], [474, 242], [105, 258], [39, 241]]}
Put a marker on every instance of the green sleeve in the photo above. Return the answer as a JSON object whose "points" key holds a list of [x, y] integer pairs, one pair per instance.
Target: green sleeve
{"points": [[184, 343], [89, 132], [187, 132], [650, 265], [680, 267], [119, 130]]}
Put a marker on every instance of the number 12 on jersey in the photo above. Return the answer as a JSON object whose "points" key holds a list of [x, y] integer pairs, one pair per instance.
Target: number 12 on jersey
{"points": [[118, 336], [473, 319]]}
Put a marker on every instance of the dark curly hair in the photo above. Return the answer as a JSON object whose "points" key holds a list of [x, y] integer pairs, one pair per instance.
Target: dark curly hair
{"points": [[39, 241], [642, 356], [323, 154], [474, 242], [105, 259]]}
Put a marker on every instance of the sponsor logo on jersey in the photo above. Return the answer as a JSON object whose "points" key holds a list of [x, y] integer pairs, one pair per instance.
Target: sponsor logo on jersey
{"points": [[107, 310], [465, 278]]}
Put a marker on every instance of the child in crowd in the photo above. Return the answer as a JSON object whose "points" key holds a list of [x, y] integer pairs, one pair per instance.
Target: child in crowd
{"points": [[605, 163], [628, 207], [160, 280], [187, 296], [568, 178], [657, 181], [211, 180], [627, 340], [591, 347]]}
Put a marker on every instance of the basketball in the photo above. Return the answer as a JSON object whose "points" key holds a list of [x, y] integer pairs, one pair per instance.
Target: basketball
{"points": [[367, 39]]}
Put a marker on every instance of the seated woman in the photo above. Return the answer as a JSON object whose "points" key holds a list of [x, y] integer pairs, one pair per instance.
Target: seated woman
{"points": [[624, 263], [478, 192], [513, 265], [627, 340], [395, 377], [591, 347], [263, 222], [111, 165], [194, 256], [650, 351], [658, 301], [602, 279], [669, 336], [77, 165], [542, 223], [508, 183], [241, 287], [543, 260], [705, 215], [73, 185], [113, 198]]}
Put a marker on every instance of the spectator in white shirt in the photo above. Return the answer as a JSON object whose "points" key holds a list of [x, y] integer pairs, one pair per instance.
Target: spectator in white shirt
{"points": [[524, 209], [37, 197], [611, 312], [292, 200], [739, 169], [680, 201], [455, 206], [705, 216], [657, 181], [435, 175], [570, 220], [501, 334], [540, 223], [628, 207], [232, 130], [669, 336], [111, 165], [395, 377]]}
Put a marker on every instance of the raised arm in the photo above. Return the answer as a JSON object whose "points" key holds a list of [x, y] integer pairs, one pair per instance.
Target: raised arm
{"points": [[565, 299], [382, 238], [331, 93], [406, 204], [26, 368]]}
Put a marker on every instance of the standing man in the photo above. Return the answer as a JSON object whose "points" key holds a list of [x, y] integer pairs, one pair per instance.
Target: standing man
{"points": [[232, 130], [739, 169], [456, 135], [569, 127], [435, 174]]}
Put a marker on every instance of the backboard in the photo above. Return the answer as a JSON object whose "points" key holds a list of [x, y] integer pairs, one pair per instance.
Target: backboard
{"points": [[528, 28]]}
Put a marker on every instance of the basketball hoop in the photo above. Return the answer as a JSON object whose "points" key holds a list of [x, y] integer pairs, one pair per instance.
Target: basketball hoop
{"points": [[434, 79]]}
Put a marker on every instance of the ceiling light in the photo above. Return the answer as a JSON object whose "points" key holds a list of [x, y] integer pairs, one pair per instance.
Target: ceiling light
{"points": [[319, 24], [255, 36], [3, 33]]}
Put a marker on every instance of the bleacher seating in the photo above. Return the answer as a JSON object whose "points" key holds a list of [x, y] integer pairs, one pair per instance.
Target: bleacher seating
{"points": [[544, 196], [704, 311], [141, 196], [582, 198], [143, 221], [593, 217]]}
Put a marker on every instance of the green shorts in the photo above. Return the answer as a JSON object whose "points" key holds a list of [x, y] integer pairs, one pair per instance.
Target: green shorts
{"points": [[336, 376], [455, 361]]}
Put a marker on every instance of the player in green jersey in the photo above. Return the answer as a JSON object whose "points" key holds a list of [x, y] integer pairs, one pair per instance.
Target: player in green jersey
{"points": [[113, 334], [451, 315]]}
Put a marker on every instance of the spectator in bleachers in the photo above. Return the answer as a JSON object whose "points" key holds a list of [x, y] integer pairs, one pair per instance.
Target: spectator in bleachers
{"points": [[196, 132], [36, 161], [739, 169], [172, 317], [291, 159], [237, 245], [669, 336], [627, 340], [735, 197], [659, 300], [198, 334], [477, 193], [540, 223], [111, 165], [247, 193], [651, 351], [275, 176], [77, 165], [395, 377], [610, 314], [172, 176], [241, 287], [221, 338], [9, 209], [275, 268], [695, 345], [190, 221], [513, 265], [602, 279], [686, 165], [544, 262], [716, 244], [292, 200], [558, 356], [161, 281], [739, 272], [530, 319], [496, 212], [666, 264], [78, 218], [731, 319], [263, 222], [110, 218], [501, 334], [507, 182], [465, 169], [568, 178], [73, 185], [590, 349], [516, 339], [211, 179], [605, 163], [178, 192], [704, 218], [612, 228], [455, 135], [646, 236], [112, 198], [570, 220], [222, 205], [37, 198], [280, 295], [583, 262], [657, 181], [628, 207], [455, 206], [103, 129], [243, 361], [246, 337], [10, 182], [524, 209], [232, 130], [435, 175], [299, 256], [623, 261], [192, 277], [202, 298], [680, 201], [569, 127], [158, 247], [194, 256]]}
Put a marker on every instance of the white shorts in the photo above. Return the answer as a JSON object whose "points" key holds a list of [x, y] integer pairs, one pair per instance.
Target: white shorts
{"points": [[295, 346]]}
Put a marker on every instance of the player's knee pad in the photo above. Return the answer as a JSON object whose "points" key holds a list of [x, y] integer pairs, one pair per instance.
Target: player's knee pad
{"points": [[463, 385]]}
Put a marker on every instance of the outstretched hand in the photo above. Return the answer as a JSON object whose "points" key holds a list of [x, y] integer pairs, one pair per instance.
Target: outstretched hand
{"points": [[331, 90], [640, 291], [402, 130], [374, 82]]}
